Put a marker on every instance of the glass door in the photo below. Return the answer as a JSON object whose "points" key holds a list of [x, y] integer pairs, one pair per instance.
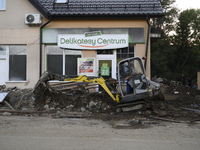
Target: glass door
{"points": [[106, 64], [105, 69]]}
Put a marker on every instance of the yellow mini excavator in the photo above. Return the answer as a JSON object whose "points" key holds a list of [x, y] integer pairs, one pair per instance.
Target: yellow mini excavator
{"points": [[126, 93]]}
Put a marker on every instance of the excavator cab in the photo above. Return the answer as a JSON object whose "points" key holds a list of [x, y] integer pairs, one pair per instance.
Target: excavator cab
{"points": [[133, 84]]}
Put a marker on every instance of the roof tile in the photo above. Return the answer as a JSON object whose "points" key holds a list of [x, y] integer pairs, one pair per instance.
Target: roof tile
{"points": [[99, 7]]}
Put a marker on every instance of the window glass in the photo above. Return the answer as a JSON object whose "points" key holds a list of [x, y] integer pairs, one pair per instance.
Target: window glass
{"points": [[2, 4], [124, 53], [71, 57], [17, 63], [2, 50], [54, 59]]}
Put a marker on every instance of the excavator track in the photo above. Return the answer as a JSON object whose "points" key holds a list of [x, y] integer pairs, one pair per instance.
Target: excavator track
{"points": [[133, 106]]}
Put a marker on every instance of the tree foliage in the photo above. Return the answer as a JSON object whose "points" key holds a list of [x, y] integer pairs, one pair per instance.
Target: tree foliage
{"points": [[187, 42], [174, 55], [162, 51], [171, 14]]}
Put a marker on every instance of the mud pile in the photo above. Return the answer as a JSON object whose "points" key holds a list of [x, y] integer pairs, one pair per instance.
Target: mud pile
{"points": [[180, 102]]}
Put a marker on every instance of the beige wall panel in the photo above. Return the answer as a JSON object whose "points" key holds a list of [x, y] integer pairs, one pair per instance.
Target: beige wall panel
{"points": [[89, 53], [19, 36], [140, 50], [97, 24], [20, 85], [33, 65]]}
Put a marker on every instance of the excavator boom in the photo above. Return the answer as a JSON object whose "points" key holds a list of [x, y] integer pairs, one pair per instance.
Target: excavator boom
{"points": [[101, 81]]}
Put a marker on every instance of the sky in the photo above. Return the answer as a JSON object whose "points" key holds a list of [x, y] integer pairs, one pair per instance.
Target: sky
{"points": [[187, 4]]}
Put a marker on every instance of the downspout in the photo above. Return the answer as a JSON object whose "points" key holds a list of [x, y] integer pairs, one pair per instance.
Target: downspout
{"points": [[147, 44], [41, 45]]}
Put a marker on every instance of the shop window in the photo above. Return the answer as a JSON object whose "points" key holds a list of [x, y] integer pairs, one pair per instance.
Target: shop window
{"points": [[2, 4], [62, 61], [17, 63], [125, 52]]}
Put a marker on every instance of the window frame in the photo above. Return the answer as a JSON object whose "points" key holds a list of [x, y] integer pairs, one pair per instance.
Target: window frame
{"points": [[127, 53], [3, 2], [6, 57]]}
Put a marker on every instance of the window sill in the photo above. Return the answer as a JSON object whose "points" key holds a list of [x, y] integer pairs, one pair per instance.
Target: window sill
{"points": [[16, 81]]}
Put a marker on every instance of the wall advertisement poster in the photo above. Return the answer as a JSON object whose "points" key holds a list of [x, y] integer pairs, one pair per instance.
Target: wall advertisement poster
{"points": [[86, 66]]}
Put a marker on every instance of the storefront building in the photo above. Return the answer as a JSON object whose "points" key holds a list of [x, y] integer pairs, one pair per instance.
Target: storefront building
{"points": [[85, 37]]}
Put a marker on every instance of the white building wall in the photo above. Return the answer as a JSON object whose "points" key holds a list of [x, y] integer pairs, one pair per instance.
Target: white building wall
{"points": [[14, 31]]}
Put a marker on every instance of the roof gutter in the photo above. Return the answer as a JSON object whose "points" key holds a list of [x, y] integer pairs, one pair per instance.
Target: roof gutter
{"points": [[147, 44], [41, 45]]}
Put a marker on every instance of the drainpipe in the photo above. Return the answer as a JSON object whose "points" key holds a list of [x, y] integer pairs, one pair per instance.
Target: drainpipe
{"points": [[147, 44], [41, 45]]}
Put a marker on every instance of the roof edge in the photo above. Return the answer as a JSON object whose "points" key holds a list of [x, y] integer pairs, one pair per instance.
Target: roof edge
{"points": [[39, 8]]}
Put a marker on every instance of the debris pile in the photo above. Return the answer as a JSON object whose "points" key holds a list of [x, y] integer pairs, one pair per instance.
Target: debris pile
{"points": [[76, 101], [18, 99], [180, 103], [26, 100]]}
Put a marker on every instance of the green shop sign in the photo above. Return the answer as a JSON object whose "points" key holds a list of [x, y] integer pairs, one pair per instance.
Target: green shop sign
{"points": [[105, 70]]}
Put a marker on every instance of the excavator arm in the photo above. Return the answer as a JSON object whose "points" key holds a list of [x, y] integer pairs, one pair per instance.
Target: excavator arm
{"points": [[101, 81]]}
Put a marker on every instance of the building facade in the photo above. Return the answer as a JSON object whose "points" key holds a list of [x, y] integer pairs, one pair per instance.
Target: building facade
{"points": [[72, 37]]}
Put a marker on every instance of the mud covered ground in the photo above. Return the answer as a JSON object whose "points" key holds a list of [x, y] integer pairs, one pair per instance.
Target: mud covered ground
{"points": [[42, 133], [179, 104]]}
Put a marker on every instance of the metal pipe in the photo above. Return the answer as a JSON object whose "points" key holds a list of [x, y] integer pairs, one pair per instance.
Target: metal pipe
{"points": [[41, 45], [190, 109], [147, 44]]}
